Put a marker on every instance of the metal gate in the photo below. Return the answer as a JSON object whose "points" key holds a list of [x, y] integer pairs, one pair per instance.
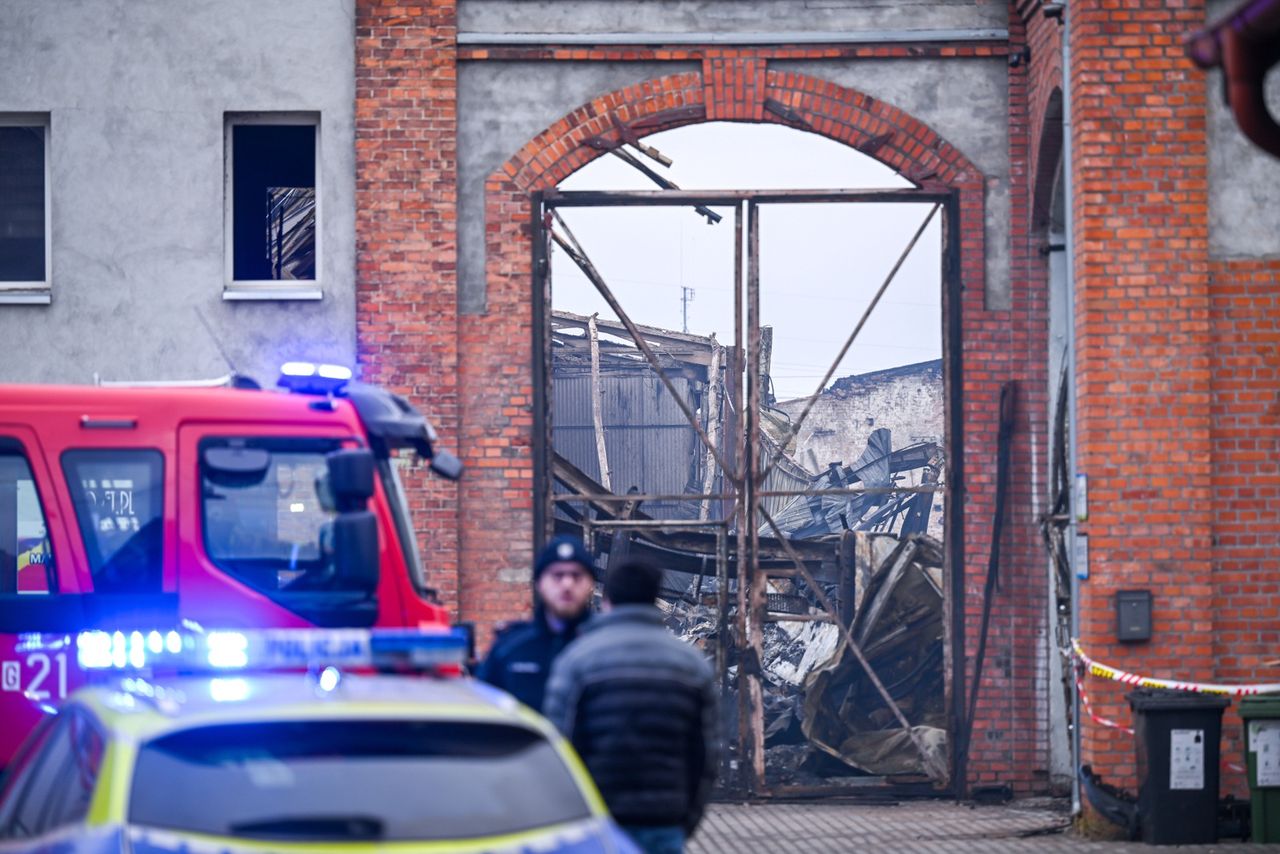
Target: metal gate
{"points": [[723, 529]]}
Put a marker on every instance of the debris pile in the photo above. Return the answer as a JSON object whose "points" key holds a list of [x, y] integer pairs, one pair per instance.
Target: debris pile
{"points": [[823, 716]]}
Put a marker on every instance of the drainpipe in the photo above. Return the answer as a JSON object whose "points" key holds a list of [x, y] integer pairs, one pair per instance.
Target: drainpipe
{"points": [[1068, 189]]}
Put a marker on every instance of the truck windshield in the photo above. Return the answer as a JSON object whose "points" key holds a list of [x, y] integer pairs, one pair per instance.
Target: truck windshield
{"points": [[267, 519], [394, 487], [348, 780]]}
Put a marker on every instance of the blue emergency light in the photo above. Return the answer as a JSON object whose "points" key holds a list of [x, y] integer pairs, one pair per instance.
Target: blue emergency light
{"points": [[270, 649], [312, 378]]}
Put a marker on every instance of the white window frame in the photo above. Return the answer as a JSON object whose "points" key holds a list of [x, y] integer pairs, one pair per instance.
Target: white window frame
{"points": [[269, 289], [35, 292]]}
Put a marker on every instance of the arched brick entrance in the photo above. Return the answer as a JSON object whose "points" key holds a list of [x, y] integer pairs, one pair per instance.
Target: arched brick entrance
{"points": [[496, 347], [496, 365]]}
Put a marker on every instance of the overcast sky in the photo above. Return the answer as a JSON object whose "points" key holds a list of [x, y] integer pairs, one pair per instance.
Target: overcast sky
{"points": [[821, 264]]}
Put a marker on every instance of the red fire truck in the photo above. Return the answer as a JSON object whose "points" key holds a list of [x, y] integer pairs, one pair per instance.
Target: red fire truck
{"points": [[222, 507]]}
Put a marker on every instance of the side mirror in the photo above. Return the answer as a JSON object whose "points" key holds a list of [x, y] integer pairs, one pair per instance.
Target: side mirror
{"points": [[446, 465], [355, 551], [350, 480]]}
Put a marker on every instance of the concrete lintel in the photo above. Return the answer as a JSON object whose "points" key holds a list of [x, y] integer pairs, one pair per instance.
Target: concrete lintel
{"points": [[759, 38]]}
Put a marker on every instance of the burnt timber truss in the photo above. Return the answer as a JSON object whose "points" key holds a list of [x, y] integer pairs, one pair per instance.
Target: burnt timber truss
{"points": [[740, 549]]}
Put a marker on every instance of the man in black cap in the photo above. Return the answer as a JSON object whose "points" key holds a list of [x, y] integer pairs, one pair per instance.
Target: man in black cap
{"points": [[639, 705], [520, 660]]}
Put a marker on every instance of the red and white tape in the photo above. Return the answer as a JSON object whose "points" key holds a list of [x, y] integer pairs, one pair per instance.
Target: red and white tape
{"points": [[1088, 707], [1113, 673]]}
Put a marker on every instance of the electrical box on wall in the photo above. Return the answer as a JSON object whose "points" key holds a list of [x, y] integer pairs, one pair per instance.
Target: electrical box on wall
{"points": [[1133, 615]]}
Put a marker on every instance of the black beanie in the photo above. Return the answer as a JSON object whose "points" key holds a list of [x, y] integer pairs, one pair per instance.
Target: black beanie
{"points": [[563, 549]]}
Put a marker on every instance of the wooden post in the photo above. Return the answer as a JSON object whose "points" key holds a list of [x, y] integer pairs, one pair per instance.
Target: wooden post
{"points": [[596, 418], [714, 389]]}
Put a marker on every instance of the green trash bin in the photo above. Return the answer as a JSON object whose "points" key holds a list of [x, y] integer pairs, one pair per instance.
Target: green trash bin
{"points": [[1261, 716]]}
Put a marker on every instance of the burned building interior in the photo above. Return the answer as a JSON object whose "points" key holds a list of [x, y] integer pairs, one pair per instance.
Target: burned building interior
{"points": [[850, 543]]}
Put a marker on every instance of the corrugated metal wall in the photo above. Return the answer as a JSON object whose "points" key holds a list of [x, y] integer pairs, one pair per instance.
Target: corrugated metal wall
{"points": [[650, 444]]}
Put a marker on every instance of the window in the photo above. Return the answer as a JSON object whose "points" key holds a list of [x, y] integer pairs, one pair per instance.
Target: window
{"points": [[119, 496], [55, 788], [24, 208], [353, 780], [272, 240], [266, 519], [18, 776], [26, 553]]}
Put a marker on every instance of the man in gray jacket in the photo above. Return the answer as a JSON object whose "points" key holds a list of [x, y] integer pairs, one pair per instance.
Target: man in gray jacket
{"points": [[640, 707]]}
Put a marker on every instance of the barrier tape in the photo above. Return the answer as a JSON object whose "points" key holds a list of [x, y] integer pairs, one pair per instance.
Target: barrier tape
{"points": [[1088, 707], [1106, 672]]}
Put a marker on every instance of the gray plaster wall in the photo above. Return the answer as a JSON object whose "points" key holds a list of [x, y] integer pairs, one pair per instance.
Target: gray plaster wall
{"points": [[724, 16], [502, 105], [966, 102], [1244, 181], [136, 92]]}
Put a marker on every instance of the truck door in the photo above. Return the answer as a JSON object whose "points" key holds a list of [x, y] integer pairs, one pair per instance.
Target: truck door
{"points": [[37, 578], [256, 531]]}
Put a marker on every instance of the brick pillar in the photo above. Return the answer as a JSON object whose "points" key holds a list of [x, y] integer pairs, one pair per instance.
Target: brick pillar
{"points": [[406, 280], [1143, 346]]}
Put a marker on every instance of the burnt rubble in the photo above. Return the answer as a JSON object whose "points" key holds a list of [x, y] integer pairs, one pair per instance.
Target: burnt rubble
{"points": [[823, 717]]}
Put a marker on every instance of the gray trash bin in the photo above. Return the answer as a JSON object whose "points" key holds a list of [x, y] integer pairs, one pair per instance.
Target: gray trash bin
{"points": [[1177, 736]]}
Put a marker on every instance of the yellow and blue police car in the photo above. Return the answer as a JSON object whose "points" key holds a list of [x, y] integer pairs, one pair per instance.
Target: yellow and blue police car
{"points": [[323, 757]]}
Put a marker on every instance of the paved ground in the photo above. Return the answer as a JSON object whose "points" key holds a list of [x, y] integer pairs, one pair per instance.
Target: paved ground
{"points": [[927, 826]]}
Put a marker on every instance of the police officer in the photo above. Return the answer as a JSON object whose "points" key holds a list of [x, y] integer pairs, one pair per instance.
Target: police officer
{"points": [[564, 582]]}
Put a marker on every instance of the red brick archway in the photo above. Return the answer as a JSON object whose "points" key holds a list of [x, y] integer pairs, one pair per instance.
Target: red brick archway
{"points": [[496, 363], [495, 347]]}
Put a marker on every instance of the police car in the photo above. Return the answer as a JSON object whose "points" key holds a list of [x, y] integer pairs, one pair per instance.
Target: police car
{"points": [[321, 757]]}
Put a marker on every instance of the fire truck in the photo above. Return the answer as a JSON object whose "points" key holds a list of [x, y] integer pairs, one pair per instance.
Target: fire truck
{"points": [[218, 505]]}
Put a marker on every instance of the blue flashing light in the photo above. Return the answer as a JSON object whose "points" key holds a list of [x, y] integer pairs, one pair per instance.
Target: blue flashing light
{"points": [[334, 372], [228, 690], [329, 679], [312, 378], [270, 649], [227, 650]]}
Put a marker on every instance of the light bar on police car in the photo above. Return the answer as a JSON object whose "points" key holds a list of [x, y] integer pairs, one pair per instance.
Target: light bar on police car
{"points": [[269, 649]]}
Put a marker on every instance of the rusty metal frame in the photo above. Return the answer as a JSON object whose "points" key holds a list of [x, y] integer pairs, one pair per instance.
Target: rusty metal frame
{"points": [[748, 476]]}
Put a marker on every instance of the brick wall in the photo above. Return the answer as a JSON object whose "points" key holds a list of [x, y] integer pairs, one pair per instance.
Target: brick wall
{"points": [[474, 373], [406, 280], [1010, 738], [1245, 478], [1143, 340], [1010, 742]]}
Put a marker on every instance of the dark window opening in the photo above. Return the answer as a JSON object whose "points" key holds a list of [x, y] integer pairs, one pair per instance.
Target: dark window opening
{"points": [[312, 781], [119, 501], [274, 202], [22, 226]]}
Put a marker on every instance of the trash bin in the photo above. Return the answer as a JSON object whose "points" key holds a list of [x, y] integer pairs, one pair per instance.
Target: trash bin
{"points": [[1261, 716], [1177, 736]]}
